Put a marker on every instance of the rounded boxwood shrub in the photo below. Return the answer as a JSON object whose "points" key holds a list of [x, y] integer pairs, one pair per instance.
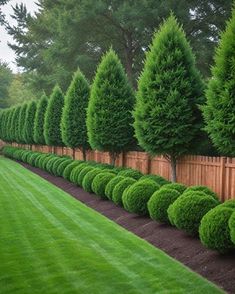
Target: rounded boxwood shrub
{"points": [[24, 156], [204, 189], [45, 161], [135, 199], [232, 227], [69, 168], [89, 177], [176, 186], [76, 170], [159, 203], [158, 179], [99, 183], [131, 173], [188, 211], [214, 230], [111, 185], [62, 166], [34, 159], [229, 203], [82, 174], [41, 160], [120, 188], [56, 165], [50, 163]]}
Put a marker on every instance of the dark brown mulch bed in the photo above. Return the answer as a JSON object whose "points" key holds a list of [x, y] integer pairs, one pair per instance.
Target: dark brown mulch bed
{"points": [[217, 268]]}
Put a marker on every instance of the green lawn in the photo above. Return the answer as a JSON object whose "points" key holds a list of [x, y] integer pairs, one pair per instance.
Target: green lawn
{"points": [[52, 243]]}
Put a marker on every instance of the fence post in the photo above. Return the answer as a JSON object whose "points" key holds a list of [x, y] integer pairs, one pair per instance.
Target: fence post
{"points": [[222, 177]]}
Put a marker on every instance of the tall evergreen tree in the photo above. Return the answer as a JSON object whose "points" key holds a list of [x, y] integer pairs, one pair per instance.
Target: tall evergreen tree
{"points": [[220, 107], [167, 119], [29, 122], [16, 123], [9, 124], [22, 119], [38, 133], [73, 123], [52, 131], [109, 119]]}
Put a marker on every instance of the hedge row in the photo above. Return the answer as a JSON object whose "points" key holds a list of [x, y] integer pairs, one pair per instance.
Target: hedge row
{"points": [[195, 210]]}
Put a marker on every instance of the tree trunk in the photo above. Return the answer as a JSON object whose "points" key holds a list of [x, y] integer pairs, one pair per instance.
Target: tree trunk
{"points": [[173, 168], [74, 153], [113, 157], [84, 153]]}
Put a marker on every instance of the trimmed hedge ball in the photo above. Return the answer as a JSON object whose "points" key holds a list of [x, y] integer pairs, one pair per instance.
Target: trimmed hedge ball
{"points": [[204, 189], [75, 172], [41, 160], [99, 183], [111, 185], [120, 188], [69, 168], [159, 203], [232, 227], [82, 174], [56, 165], [50, 163], [176, 186], [89, 177], [229, 203], [188, 211], [135, 199], [131, 173], [158, 179], [46, 160], [214, 230], [62, 166]]}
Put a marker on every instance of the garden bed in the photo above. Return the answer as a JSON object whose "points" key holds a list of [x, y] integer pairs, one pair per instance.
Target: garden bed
{"points": [[217, 268]]}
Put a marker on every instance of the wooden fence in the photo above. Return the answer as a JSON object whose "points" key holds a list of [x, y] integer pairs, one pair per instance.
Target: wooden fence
{"points": [[218, 173]]}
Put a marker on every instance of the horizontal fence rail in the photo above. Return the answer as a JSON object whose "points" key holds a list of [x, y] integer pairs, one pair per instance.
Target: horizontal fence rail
{"points": [[218, 173]]}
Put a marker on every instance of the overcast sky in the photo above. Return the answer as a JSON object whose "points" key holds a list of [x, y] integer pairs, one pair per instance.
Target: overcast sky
{"points": [[6, 54]]}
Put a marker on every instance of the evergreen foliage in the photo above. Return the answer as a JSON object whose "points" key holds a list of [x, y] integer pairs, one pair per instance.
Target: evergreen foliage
{"points": [[52, 132], [38, 133], [73, 123], [109, 119], [220, 107], [29, 122], [22, 119], [167, 118]]}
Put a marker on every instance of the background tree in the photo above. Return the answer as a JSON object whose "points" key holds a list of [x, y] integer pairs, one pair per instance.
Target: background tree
{"points": [[220, 107], [38, 134], [6, 77], [73, 123], [22, 119], [16, 123], [52, 131], [167, 119], [109, 119], [29, 122]]}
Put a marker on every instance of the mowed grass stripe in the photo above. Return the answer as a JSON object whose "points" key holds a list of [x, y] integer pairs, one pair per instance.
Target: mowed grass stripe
{"points": [[52, 243]]}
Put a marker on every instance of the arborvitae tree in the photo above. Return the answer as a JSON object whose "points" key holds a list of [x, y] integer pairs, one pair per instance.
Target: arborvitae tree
{"points": [[109, 119], [16, 124], [220, 107], [22, 119], [13, 124], [73, 123], [9, 125], [167, 119], [38, 134], [29, 122], [52, 131], [3, 125]]}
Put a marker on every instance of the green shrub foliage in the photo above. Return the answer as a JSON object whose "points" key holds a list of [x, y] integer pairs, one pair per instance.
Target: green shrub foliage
{"points": [[56, 165], [73, 124], [229, 203], [135, 174], [135, 199], [176, 186], [69, 169], [82, 174], [204, 189], [111, 185], [188, 211], [62, 166], [100, 182], [15, 127], [158, 179], [232, 227], [29, 122], [76, 171], [220, 107], [214, 229], [22, 119], [38, 134], [159, 203], [88, 179], [167, 119], [52, 132], [109, 118], [120, 188]]}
